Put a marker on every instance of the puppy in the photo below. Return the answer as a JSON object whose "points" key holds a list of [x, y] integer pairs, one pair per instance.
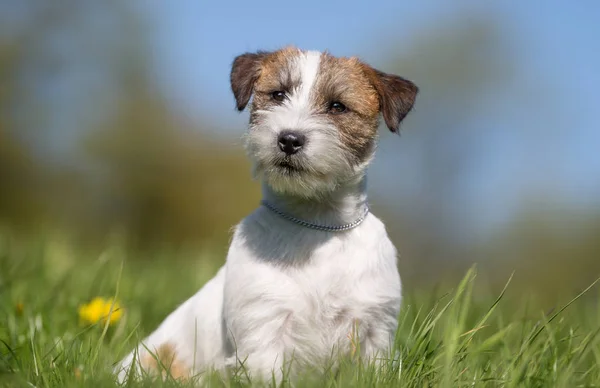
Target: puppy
{"points": [[311, 273]]}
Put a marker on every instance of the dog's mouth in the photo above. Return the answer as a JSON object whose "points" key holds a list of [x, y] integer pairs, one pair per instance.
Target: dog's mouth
{"points": [[288, 167]]}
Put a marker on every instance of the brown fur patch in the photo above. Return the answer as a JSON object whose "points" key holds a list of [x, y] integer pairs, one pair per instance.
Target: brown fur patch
{"points": [[276, 74], [165, 360], [245, 70], [353, 337], [343, 80], [397, 96], [365, 91], [261, 74]]}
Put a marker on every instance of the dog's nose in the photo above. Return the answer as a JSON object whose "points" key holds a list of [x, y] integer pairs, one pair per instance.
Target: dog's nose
{"points": [[290, 142]]}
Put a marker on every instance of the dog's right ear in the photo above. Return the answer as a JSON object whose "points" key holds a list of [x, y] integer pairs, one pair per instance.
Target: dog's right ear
{"points": [[245, 70]]}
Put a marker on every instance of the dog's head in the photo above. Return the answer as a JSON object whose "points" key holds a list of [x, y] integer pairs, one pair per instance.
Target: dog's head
{"points": [[314, 117]]}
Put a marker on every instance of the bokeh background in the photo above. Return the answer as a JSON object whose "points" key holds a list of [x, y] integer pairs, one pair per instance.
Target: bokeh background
{"points": [[116, 119]]}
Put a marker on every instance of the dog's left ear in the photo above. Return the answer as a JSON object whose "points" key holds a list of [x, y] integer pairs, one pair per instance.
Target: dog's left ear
{"points": [[245, 70], [396, 95]]}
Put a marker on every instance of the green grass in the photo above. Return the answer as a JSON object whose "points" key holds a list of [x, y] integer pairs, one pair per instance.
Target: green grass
{"points": [[462, 336]]}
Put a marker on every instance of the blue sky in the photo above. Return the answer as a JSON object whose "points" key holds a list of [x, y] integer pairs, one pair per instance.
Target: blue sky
{"points": [[554, 41], [193, 43], [196, 41]]}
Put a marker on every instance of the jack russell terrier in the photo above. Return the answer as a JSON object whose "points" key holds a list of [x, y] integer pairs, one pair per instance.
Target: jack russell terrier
{"points": [[311, 273]]}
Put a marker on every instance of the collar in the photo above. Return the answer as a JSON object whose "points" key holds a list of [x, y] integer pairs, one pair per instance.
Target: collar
{"points": [[324, 228]]}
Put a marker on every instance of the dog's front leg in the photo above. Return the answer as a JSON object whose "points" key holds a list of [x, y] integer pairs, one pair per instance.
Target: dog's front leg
{"points": [[258, 366], [377, 343], [258, 342]]}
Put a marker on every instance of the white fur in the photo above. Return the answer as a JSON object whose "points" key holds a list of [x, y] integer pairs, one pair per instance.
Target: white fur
{"points": [[287, 292], [308, 66], [324, 156], [263, 310]]}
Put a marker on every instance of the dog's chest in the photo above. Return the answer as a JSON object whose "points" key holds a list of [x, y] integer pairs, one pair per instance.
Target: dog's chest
{"points": [[344, 281], [358, 282]]}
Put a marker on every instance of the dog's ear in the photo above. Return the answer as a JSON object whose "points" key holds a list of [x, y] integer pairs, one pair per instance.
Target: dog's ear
{"points": [[396, 95], [245, 70]]}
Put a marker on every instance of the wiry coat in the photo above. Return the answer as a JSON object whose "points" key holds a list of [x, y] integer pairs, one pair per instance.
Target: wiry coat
{"points": [[288, 292]]}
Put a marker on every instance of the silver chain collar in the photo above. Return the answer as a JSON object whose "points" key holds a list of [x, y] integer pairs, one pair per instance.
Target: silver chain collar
{"points": [[325, 228]]}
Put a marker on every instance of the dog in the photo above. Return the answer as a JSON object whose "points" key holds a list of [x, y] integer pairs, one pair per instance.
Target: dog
{"points": [[311, 274]]}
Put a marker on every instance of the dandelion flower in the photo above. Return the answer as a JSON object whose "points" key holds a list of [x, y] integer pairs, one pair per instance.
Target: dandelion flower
{"points": [[98, 310], [19, 309]]}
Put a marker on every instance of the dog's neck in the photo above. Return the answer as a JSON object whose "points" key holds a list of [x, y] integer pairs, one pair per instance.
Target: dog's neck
{"points": [[342, 206]]}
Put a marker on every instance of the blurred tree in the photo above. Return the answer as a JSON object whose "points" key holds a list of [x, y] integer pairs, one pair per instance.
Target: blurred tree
{"points": [[165, 181], [554, 252], [143, 170], [463, 68], [20, 202], [161, 179], [455, 64]]}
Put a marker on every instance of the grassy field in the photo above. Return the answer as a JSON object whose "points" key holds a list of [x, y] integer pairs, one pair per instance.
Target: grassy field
{"points": [[453, 337]]}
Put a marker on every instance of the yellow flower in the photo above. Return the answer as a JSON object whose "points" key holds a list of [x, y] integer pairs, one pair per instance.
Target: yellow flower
{"points": [[19, 309], [99, 310]]}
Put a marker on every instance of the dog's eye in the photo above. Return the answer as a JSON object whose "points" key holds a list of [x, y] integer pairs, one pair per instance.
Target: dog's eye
{"points": [[337, 107], [278, 95]]}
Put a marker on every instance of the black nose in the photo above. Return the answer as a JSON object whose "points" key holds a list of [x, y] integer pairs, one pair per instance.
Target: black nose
{"points": [[290, 142]]}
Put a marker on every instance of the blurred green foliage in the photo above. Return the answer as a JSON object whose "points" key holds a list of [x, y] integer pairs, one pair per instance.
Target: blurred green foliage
{"points": [[455, 336], [148, 176]]}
